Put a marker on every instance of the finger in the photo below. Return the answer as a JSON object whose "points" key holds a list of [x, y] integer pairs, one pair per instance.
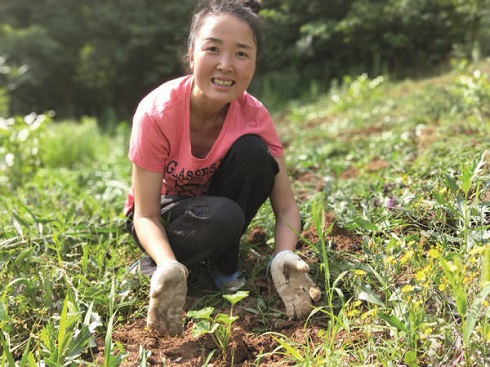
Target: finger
{"points": [[315, 293], [300, 266]]}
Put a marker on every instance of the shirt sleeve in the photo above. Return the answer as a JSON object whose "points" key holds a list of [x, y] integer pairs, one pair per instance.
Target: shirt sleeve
{"points": [[148, 145], [272, 138], [262, 122]]}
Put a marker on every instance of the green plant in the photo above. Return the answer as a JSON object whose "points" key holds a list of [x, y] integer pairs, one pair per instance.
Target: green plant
{"points": [[19, 148], [218, 326], [464, 203], [454, 272], [71, 143], [111, 360], [63, 344]]}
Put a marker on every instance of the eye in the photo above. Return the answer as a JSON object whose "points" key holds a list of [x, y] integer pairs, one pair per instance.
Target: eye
{"points": [[241, 55], [213, 49]]}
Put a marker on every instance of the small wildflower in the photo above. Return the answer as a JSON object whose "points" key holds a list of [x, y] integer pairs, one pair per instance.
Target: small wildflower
{"points": [[408, 288], [390, 259], [369, 314], [352, 310], [406, 257], [359, 272], [452, 267], [417, 303], [391, 203], [421, 275], [475, 251], [434, 253]]}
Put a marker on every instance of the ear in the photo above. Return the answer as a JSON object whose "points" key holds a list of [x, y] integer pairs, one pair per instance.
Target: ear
{"points": [[191, 59]]}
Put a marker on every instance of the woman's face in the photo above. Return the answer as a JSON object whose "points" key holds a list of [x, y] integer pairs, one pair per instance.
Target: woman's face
{"points": [[223, 58]]}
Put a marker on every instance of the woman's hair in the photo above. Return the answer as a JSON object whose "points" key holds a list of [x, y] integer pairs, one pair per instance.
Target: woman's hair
{"points": [[245, 10]]}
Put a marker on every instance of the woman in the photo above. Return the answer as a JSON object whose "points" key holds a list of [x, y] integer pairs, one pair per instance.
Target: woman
{"points": [[205, 158]]}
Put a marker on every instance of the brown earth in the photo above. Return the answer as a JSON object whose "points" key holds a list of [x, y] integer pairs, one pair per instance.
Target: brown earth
{"points": [[252, 337]]}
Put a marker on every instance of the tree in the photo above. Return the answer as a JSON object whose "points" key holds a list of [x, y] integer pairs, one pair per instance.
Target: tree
{"points": [[101, 57], [91, 57]]}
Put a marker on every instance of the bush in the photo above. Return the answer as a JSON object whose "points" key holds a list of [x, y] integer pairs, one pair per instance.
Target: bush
{"points": [[69, 144], [19, 149]]}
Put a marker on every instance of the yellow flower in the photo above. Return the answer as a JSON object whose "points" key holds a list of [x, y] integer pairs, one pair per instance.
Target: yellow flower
{"points": [[390, 259], [352, 309], [353, 313], [421, 275], [369, 313], [407, 256], [359, 272], [434, 253], [417, 303], [357, 303], [407, 288]]}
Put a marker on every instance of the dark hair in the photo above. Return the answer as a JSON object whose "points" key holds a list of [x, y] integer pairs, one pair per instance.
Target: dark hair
{"points": [[245, 10]]}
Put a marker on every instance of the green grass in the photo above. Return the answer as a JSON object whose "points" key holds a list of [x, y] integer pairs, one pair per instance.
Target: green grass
{"points": [[404, 166]]}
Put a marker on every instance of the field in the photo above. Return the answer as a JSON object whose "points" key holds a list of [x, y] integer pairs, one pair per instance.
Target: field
{"points": [[393, 182]]}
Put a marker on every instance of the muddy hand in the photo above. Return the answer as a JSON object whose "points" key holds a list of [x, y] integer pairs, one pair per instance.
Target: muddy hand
{"points": [[296, 289], [168, 289]]}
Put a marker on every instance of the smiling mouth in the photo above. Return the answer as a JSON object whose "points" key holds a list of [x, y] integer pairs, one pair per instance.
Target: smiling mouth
{"points": [[222, 83]]}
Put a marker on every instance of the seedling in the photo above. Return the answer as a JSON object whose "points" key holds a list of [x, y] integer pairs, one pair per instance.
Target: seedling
{"points": [[218, 326]]}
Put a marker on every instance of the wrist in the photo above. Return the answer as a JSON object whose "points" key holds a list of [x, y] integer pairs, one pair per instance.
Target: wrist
{"points": [[171, 262], [281, 251]]}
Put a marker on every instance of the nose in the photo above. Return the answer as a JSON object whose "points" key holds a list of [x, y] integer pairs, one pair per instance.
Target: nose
{"points": [[225, 62]]}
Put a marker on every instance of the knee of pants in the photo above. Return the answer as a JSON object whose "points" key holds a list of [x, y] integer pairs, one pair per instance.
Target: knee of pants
{"points": [[252, 154], [227, 220], [199, 234]]}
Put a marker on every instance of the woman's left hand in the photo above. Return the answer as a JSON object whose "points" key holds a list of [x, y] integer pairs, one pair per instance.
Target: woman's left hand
{"points": [[297, 290]]}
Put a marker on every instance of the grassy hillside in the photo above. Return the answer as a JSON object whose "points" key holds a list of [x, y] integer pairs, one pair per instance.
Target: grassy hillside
{"points": [[393, 183]]}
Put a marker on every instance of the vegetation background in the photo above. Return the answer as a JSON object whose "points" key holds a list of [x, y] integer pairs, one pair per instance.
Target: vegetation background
{"points": [[383, 107], [98, 58]]}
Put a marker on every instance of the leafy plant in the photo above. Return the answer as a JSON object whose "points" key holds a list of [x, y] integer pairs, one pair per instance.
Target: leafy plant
{"points": [[63, 344], [19, 148], [218, 326], [469, 314]]}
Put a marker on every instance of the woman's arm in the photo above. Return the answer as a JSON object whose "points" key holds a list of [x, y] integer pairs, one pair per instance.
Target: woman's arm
{"points": [[289, 272], [285, 210], [147, 186]]}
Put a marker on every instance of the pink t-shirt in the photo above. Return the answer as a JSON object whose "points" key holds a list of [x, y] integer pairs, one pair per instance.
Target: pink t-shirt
{"points": [[160, 139]]}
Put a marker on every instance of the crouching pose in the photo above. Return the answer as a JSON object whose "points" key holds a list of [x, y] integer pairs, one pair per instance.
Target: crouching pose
{"points": [[205, 157]]}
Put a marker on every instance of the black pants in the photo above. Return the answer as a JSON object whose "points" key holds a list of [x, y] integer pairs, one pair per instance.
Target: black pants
{"points": [[210, 226]]}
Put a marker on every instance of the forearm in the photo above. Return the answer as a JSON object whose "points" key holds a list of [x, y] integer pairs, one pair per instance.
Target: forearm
{"points": [[287, 228], [153, 238]]}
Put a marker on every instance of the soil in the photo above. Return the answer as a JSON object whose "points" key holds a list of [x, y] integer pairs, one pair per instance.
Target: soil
{"points": [[251, 341]]}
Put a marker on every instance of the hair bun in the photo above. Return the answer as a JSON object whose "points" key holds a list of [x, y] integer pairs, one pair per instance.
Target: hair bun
{"points": [[254, 5]]}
